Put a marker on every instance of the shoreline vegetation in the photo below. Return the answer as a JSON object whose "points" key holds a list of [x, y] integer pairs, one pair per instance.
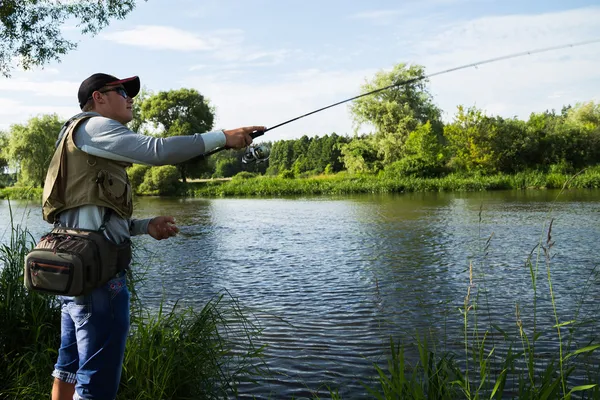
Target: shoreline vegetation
{"points": [[247, 184]]}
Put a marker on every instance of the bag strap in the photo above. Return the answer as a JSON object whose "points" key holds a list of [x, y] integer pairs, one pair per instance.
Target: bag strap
{"points": [[107, 214]]}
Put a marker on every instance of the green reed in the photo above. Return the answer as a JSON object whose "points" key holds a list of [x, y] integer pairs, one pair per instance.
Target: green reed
{"points": [[523, 372], [175, 354], [344, 183]]}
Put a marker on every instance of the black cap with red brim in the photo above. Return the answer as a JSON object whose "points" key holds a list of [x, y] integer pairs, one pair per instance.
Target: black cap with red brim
{"points": [[98, 81]]}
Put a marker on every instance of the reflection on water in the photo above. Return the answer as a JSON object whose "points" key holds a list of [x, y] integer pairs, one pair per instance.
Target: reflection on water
{"points": [[330, 279]]}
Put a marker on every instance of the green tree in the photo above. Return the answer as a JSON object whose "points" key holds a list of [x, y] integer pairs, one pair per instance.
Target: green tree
{"points": [[138, 124], [3, 147], [227, 167], [30, 30], [282, 156], [360, 155], [424, 154], [179, 112], [31, 146], [397, 111], [471, 138], [162, 180]]}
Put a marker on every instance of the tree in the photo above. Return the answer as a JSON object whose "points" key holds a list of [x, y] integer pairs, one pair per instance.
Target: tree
{"points": [[3, 147], [31, 146], [138, 124], [397, 111], [179, 112], [360, 155], [30, 29], [424, 154], [471, 137]]}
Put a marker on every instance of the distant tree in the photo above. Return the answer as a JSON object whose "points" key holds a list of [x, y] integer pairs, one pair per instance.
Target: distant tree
{"points": [[471, 139], [3, 148], [397, 111], [360, 155], [30, 30], [424, 154], [31, 146], [179, 112], [138, 124]]}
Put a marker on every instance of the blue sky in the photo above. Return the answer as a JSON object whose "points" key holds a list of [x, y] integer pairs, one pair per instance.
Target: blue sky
{"points": [[261, 62]]}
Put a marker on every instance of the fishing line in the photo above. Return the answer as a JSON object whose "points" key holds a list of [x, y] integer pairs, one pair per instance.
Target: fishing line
{"points": [[420, 78]]}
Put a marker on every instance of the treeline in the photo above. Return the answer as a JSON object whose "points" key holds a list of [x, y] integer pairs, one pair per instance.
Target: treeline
{"points": [[408, 139]]}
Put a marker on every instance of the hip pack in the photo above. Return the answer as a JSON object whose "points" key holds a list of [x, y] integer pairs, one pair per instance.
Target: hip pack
{"points": [[73, 262]]}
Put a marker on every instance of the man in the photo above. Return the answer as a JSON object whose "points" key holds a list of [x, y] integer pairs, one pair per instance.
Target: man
{"points": [[97, 143]]}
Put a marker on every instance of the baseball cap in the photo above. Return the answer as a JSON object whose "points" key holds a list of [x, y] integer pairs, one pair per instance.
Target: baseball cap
{"points": [[99, 80]]}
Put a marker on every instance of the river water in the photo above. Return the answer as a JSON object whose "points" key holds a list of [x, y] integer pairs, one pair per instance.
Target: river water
{"points": [[330, 279]]}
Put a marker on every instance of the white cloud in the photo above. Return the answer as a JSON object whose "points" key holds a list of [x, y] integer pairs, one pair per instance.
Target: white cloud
{"points": [[375, 15], [49, 89], [168, 38]]}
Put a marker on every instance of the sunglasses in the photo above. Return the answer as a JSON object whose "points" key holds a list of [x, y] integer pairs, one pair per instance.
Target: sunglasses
{"points": [[121, 91]]}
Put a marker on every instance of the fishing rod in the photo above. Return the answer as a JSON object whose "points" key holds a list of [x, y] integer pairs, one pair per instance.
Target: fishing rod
{"points": [[261, 153]]}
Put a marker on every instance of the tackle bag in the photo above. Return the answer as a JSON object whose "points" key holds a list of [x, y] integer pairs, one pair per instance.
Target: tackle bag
{"points": [[73, 262]]}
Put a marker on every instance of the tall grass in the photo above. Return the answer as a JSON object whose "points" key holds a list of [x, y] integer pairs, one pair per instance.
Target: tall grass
{"points": [[171, 354], [344, 183], [29, 326], [523, 371]]}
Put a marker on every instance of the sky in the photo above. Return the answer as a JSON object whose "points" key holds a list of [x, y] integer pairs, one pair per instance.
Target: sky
{"points": [[262, 62]]}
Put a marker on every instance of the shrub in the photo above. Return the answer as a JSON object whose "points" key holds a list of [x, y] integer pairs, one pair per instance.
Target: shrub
{"points": [[287, 174], [136, 174], [245, 175], [163, 180]]}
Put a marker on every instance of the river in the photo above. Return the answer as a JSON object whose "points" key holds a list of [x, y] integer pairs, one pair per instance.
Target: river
{"points": [[329, 279]]}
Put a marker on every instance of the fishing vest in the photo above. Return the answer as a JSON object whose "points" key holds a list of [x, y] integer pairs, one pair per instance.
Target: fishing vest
{"points": [[76, 178]]}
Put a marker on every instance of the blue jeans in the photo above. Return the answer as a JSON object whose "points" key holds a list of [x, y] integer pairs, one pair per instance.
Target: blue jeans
{"points": [[94, 330]]}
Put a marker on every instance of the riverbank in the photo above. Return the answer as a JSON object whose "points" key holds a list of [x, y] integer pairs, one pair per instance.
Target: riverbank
{"points": [[344, 183], [245, 185]]}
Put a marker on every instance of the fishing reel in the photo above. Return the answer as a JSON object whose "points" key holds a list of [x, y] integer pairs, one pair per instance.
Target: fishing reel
{"points": [[256, 154]]}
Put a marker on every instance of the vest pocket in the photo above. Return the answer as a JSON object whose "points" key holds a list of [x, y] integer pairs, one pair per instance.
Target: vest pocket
{"points": [[113, 189]]}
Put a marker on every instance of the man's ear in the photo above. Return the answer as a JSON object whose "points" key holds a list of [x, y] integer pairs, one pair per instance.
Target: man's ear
{"points": [[98, 98]]}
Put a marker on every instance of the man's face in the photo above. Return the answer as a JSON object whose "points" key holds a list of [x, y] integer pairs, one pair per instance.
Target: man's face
{"points": [[118, 104]]}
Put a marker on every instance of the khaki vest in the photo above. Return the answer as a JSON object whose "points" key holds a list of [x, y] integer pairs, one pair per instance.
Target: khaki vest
{"points": [[76, 178]]}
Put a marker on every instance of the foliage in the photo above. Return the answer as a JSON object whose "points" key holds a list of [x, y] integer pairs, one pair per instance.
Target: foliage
{"points": [[471, 139], [3, 146], [360, 155], [397, 111], [343, 183], [244, 175], [137, 174], [30, 30], [163, 180], [227, 167], [21, 193], [188, 354], [424, 155], [138, 124], [178, 112], [307, 154], [31, 146], [29, 325]]}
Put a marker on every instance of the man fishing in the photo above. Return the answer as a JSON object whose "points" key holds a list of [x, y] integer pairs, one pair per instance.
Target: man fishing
{"points": [[87, 188]]}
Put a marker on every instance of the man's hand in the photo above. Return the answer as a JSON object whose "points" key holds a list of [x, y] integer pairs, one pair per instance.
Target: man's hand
{"points": [[162, 228], [240, 137]]}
